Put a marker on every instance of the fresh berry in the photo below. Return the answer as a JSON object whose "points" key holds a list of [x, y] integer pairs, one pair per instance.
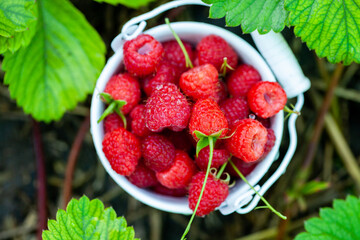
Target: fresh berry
{"points": [[124, 87], [138, 123], [142, 55], [123, 151], [167, 107], [180, 173], [207, 118], [271, 138], [213, 49], [174, 55], [178, 192], [220, 156], [244, 167], [200, 82], [266, 122], [216, 191], [181, 140], [143, 177], [266, 98], [158, 152], [241, 80], [247, 141], [112, 122], [235, 109], [221, 93]]}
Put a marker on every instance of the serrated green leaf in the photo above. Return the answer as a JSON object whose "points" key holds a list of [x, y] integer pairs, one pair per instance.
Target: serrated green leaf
{"points": [[15, 16], [127, 3], [331, 28], [85, 219], [60, 65], [262, 15], [340, 222]]}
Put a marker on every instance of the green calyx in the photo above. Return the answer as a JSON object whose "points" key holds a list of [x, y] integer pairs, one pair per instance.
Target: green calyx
{"points": [[224, 67], [113, 106]]}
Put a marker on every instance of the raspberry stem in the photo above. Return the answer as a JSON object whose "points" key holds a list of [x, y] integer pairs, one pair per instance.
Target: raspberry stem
{"points": [[211, 147], [114, 106], [224, 67], [186, 55], [257, 193], [221, 170], [290, 111]]}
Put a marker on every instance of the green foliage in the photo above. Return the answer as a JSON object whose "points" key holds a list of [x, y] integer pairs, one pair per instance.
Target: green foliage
{"points": [[340, 222], [85, 219], [332, 28], [131, 4], [60, 65], [262, 15]]}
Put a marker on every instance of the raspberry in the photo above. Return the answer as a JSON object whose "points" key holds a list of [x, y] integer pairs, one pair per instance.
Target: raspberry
{"points": [[220, 156], [221, 92], [200, 82], [207, 118], [158, 152], [244, 167], [142, 55], [235, 108], [264, 121], [216, 191], [122, 149], [143, 177], [180, 173], [138, 123], [248, 140], [181, 140], [112, 122], [174, 55], [124, 87], [167, 107], [271, 138], [178, 192], [213, 49], [241, 80], [266, 98]]}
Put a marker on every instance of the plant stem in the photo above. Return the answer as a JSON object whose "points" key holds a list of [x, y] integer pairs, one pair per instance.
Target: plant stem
{"points": [[256, 192], [41, 180], [72, 159]]}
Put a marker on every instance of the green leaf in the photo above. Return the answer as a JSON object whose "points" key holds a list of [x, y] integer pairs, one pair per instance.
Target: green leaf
{"points": [[60, 65], [85, 219], [127, 3], [340, 222], [263, 15], [330, 27], [15, 16], [313, 187]]}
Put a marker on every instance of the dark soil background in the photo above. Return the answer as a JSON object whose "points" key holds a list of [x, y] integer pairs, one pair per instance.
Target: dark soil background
{"points": [[333, 155]]}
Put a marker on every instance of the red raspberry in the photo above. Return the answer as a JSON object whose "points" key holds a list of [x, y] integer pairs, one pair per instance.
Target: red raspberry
{"points": [[264, 121], [158, 152], [143, 177], [138, 123], [174, 55], [181, 140], [235, 108], [221, 93], [180, 173], [112, 122], [271, 138], [216, 191], [212, 49], [167, 107], [247, 140], [244, 167], [220, 156], [266, 99], [200, 82], [122, 149], [241, 80], [124, 87], [142, 55], [178, 192], [207, 118]]}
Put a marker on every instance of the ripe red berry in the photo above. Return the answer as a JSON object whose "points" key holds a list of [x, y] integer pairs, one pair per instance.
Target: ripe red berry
{"points": [[142, 55], [200, 82], [241, 80], [158, 152], [216, 191], [138, 123], [266, 98], [143, 177], [174, 55], [244, 167], [247, 140], [212, 49], [178, 192], [180, 173], [181, 140], [112, 122], [167, 107], [207, 118], [124, 87], [235, 109], [122, 149], [220, 156], [271, 138]]}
